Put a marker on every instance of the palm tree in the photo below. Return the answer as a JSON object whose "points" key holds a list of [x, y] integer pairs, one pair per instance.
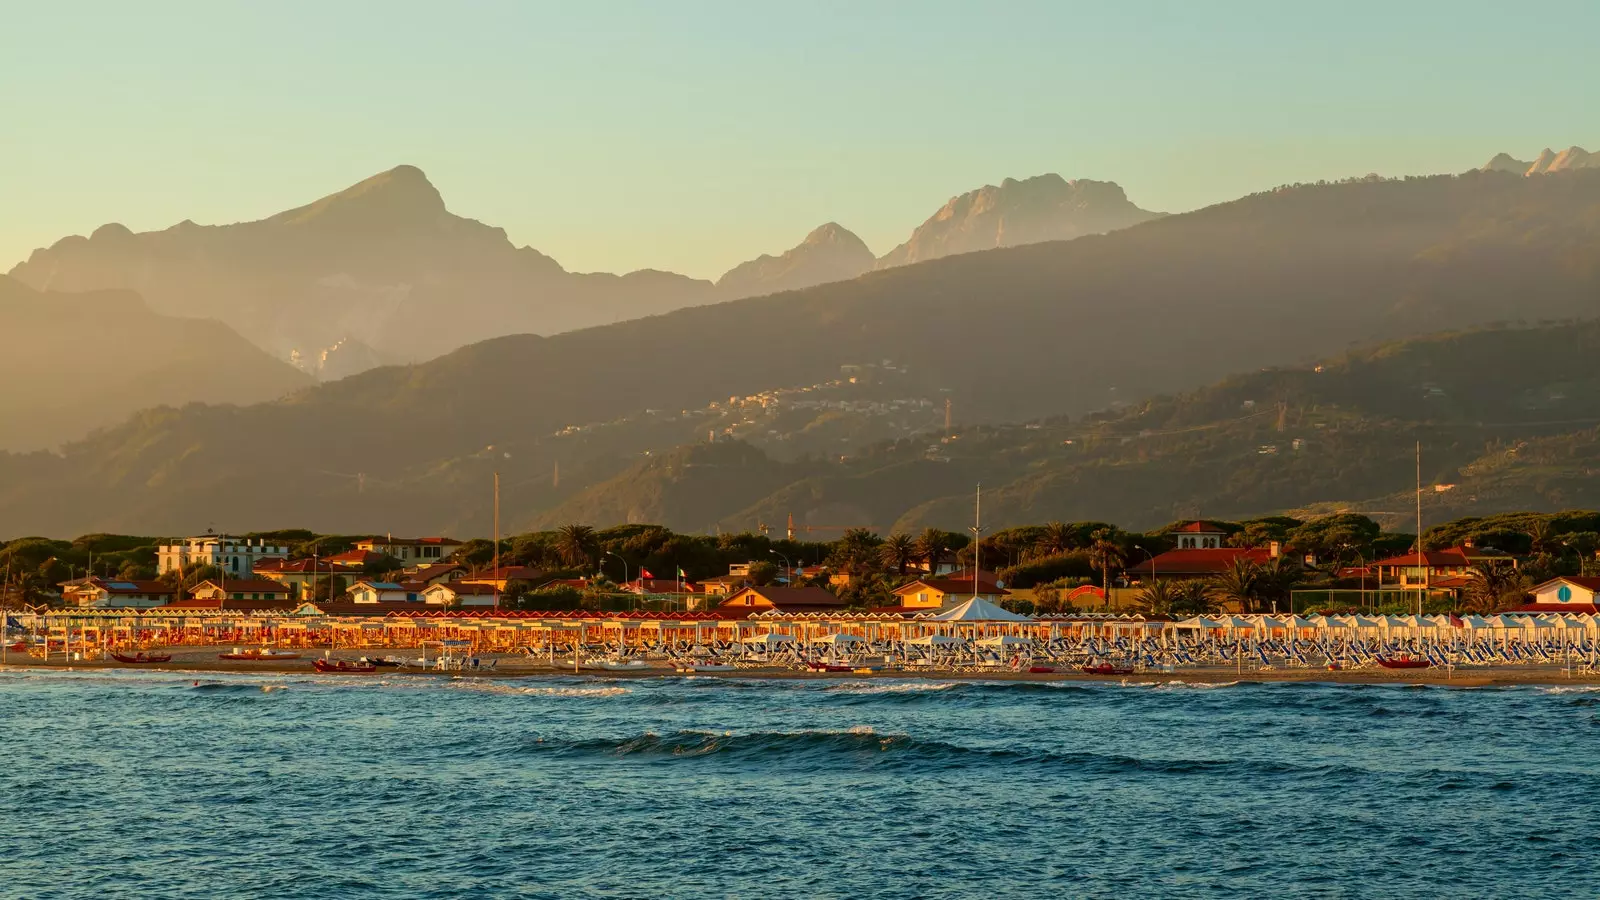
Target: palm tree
{"points": [[1105, 556], [1158, 597], [1056, 539], [932, 546], [1239, 583], [897, 552], [1494, 588], [576, 545], [1191, 598]]}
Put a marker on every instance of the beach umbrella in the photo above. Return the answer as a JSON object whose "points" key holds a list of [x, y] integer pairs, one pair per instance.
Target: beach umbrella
{"points": [[770, 639], [1006, 640]]}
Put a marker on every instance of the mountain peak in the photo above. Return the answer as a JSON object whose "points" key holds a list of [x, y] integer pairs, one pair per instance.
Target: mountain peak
{"points": [[1573, 157], [830, 252], [403, 194], [1019, 211], [1505, 162]]}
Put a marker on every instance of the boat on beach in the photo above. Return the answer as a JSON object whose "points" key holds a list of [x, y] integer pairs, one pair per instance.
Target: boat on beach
{"points": [[343, 667], [621, 665], [705, 667], [1105, 668], [1404, 661], [141, 658], [258, 655]]}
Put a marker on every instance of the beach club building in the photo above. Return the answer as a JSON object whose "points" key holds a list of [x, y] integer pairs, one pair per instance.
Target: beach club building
{"points": [[1564, 595], [256, 589], [111, 593]]}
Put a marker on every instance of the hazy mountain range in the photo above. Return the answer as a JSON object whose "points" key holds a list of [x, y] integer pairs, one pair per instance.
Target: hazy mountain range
{"points": [[1548, 161], [1051, 329], [72, 363], [383, 272]]}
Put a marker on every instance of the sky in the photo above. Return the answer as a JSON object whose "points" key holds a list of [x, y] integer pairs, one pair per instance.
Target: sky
{"points": [[692, 135]]}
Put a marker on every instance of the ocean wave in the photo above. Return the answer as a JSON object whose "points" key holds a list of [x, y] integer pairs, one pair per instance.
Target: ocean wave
{"points": [[872, 688], [520, 690]]}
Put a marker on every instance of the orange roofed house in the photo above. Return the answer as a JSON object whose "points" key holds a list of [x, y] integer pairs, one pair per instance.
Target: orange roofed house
{"points": [[750, 600], [936, 593]]}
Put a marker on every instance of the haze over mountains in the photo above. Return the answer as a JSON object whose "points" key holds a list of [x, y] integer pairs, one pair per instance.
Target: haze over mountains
{"points": [[383, 272], [1059, 328], [72, 363]]}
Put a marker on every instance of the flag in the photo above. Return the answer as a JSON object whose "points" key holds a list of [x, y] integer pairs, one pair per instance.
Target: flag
{"points": [[645, 573], [681, 574]]}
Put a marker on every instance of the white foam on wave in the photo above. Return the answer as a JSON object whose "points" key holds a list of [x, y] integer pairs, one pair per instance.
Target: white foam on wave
{"points": [[889, 687], [1574, 689], [1178, 684], [492, 687]]}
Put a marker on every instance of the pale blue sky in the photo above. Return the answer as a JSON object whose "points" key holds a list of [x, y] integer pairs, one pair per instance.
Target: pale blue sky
{"points": [[693, 135]]}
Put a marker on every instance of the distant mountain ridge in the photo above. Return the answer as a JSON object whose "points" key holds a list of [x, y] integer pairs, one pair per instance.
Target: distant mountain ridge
{"points": [[382, 262], [1102, 322], [72, 363], [1547, 162], [829, 253], [1029, 211], [383, 266]]}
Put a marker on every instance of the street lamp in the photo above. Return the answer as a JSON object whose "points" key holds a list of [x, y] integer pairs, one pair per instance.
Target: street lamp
{"points": [[624, 573], [788, 576]]}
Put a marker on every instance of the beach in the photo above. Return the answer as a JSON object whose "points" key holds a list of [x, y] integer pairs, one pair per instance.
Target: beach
{"points": [[205, 659]]}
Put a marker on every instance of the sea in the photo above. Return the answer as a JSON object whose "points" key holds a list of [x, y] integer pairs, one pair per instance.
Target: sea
{"points": [[175, 785]]}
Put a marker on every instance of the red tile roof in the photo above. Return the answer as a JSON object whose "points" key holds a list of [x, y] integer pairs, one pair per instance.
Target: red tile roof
{"points": [[1199, 526], [326, 566], [357, 557], [121, 586], [1586, 582], [1199, 561], [1588, 608]]}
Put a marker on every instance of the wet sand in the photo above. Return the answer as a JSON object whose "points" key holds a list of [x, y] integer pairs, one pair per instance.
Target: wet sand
{"points": [[204, 659]]}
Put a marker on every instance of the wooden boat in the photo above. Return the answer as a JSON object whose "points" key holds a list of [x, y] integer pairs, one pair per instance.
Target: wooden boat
{"points": [[704, 667], [1403, 662], [141, 658], [18, 647], [622, 665], [1041, 670], [382, 662], [1106, 668], [828, 667], [343, 667], [262, 654]]}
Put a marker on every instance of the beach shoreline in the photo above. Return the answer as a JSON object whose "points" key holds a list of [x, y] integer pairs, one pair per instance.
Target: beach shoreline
{"points": [[203, 660]]}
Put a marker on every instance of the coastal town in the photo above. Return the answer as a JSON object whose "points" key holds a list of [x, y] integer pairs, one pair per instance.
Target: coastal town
{"points": [[1274, 595]]}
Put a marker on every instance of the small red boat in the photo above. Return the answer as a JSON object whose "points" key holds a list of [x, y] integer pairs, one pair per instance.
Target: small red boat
{"points": [[142, 657], [829, 667], [261, 655], [1041, 670], [18, 647], [1403, 662], [1106, 669], [342, 667]]}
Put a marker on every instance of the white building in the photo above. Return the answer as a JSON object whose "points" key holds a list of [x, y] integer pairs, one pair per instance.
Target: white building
{"points": [[382, 592], [235, 556], [412, 551]]}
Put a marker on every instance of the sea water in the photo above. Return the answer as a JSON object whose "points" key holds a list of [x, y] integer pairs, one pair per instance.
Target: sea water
{"points": [[155, 785]]}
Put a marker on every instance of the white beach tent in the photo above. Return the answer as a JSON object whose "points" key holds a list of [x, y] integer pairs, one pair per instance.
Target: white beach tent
{"points": [[769, 640], [936, 640], [839, 639], [978, 610], [1238, 623], [1002, 641], [1200, 622]]}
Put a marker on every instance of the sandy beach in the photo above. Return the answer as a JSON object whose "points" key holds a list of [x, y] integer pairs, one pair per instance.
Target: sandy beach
{"points": [[205, 659]]}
